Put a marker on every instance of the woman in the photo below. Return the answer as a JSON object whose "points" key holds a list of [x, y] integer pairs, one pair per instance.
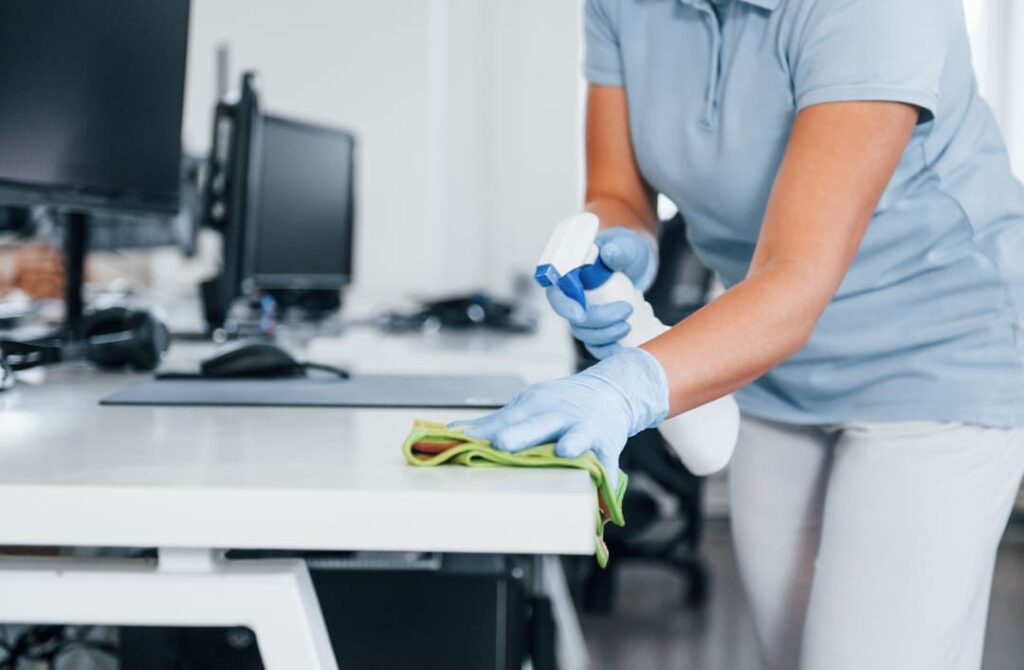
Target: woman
{"points": [[839, 172]]}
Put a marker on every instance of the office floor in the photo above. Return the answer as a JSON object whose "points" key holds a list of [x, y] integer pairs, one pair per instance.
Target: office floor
{"points": [[649, 630]]}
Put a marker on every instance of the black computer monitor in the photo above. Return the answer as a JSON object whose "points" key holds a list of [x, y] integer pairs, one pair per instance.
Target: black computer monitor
{"points": [[91, 100], [300, 207], [225, 196], [91, 96]]}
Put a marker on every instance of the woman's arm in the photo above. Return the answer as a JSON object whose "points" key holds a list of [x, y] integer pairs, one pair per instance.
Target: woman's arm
{"points": [[616, 192], [625, 206], [838, 162]]}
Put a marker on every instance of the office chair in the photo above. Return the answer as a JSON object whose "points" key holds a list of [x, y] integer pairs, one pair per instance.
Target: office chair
{"points": [[663, 504]]}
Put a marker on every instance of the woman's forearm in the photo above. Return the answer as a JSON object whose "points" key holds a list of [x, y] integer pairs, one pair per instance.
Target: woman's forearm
{"points": [[616, 191], [743, 334], [837, 164]]}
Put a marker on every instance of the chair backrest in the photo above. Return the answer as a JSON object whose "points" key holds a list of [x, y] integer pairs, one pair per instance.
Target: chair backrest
{"points": [[682, 284]]}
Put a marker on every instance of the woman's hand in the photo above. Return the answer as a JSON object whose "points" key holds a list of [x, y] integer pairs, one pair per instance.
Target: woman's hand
{"points": [[596, 410], [600, 327], [627, 251]]}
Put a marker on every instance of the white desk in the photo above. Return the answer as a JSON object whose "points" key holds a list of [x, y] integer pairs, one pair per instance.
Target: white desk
{"points": [[546, 354], [192, 481]]}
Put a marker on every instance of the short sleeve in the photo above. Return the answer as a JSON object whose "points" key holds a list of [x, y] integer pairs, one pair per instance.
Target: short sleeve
{"points": [[602, 63], [890, 50]]}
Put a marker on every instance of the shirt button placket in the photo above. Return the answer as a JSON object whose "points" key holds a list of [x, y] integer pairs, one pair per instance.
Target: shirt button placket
{"points": [[714, 65]]}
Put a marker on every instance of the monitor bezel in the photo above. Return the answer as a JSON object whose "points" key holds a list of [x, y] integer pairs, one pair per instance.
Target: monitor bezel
{"points": [[21, 194]]}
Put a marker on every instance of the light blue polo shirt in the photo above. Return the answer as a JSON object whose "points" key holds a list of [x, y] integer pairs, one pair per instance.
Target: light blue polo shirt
{"points": [[928, 323]]}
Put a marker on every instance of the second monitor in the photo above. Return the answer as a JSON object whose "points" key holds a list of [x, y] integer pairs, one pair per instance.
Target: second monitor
{"points": [[300, 207]]}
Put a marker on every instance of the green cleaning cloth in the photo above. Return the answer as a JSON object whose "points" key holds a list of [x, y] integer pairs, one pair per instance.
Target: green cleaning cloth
{"points": [[430, 444]]}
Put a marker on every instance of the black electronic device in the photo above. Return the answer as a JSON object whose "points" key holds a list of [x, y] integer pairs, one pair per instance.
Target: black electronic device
{"points": [[300, 206], [281, 193], [462, 312], [256, 359], [225, 196], [118, 231], [91, 97], [118, 337], [244, 358], [91, 101], [15, 220], [110, 338], [458, 611]]}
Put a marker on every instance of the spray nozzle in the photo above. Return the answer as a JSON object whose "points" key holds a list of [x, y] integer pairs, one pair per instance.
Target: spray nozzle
{"points": [[570, 260]]}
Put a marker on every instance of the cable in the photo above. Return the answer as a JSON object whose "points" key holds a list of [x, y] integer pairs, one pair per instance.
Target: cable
{"points": [[297, 370], [342, 374]]}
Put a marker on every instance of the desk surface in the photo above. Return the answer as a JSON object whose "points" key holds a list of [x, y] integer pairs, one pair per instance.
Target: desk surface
{"points": [[75, 473]]}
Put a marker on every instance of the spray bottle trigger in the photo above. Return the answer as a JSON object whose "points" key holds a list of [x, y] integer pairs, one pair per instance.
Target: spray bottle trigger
{"points": [[546, 275], [572, 286], [594, 275]]}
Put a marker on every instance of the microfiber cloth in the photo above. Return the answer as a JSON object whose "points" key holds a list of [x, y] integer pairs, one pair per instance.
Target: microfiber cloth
{"points": [[430, 444]]}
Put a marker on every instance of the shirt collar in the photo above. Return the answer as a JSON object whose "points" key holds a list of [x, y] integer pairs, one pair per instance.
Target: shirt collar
{"points": [[770, 5]]}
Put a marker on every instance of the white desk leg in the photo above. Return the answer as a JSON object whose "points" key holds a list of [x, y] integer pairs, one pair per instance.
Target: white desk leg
{"points": [[572, 647], [185, 588]]}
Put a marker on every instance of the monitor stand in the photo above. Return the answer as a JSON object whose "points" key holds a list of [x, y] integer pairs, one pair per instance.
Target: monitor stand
{"points": [[76, 243]]}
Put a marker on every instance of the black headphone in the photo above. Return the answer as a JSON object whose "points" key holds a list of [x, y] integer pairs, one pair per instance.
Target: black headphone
{"points": [[109, 338]]}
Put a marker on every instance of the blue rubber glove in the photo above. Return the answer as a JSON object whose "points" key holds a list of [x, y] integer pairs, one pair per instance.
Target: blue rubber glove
{"points": [[600, 327], [596, 410]]}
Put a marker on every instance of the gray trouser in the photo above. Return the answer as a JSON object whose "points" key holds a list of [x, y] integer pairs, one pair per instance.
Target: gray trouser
{"points": [[871, 546]]}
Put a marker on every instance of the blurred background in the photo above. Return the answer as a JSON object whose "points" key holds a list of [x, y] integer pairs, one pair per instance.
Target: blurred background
{"points": [[453, 103], [467, 121], [468, 116]]}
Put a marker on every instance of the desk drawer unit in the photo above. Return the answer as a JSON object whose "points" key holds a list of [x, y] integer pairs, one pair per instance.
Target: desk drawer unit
{"points": [[383, 612]]}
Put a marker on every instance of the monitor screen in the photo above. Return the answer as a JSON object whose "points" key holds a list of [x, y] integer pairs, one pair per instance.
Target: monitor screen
{"points": [[91, 97], [300, 214]]}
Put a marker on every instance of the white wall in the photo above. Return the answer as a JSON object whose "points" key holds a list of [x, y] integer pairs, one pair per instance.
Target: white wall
{"points": [[1013, 110], [997, 40], [466, 112]]}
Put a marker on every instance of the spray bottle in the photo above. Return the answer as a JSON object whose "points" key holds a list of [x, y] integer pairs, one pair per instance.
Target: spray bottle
{"points": [[704, 437]]}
